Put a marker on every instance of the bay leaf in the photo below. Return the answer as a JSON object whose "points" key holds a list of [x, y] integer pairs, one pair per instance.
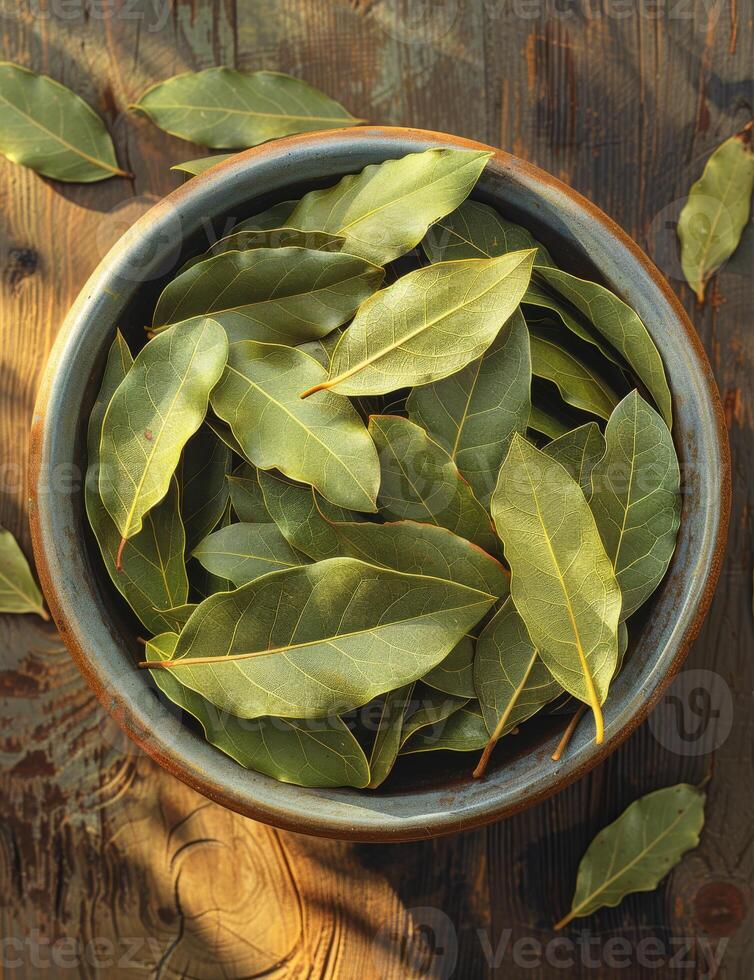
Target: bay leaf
{"points": [[387, 739], [283, 295], [578, 383], [322, 350], [242, 552], [195, 167], [178, 615], [312, 752], [636, 851], [510, 678], [455, 674], [321, 639], [476, 231], [636, 499], [717, 210], [227, 109], [620, 326], [473, 413], [294, 509], [202, 476], [429, 710], [223, 431], [462, 731], [322, 442], [153, 577], [562, 580], [385, 210], [246, 495], [276, 216], [47, 127], [428, 325], [546, 423], [420, 482], [155, 410], [19, 593], [579, 450], [276, 238]]}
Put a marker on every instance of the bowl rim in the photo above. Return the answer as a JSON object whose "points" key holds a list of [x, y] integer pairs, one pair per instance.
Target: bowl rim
{"points": [[283, 805]]}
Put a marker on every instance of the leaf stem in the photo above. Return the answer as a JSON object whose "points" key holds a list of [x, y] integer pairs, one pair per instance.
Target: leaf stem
{"points": [[564, 921], [502, 721], [119, 556], [568, 735], [310, 391]]}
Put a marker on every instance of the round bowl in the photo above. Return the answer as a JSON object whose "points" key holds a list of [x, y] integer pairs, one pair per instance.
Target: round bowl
{"points": [[426, 796]]}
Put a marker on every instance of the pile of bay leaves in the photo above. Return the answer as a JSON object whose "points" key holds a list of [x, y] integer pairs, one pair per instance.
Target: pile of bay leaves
{"points": [[370, 499]]}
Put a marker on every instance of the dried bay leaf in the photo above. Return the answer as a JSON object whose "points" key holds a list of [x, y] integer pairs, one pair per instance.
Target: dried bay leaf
{"points": [[420, 482], [47, 127], [463, 730], [274, 295], [294, 508], [276, 216], [455, 674], [717, 210], [195, 167], [153, 413], [427, 325], [312, 752], [322, 638], [635, 852], [276, 238], [246, 495], [227, 109], [19, 593], [152, 578], [510, 678], [578, 383], [562, 580], [202, 476], [387, 739], [579, 450], [385, 210], [322, 442], [636, 499], [242, 552], [545, 422], [473, 413]]}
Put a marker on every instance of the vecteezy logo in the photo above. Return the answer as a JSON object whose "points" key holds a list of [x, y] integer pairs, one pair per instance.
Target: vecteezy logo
{"points": [[695, 715], [423, 940]]}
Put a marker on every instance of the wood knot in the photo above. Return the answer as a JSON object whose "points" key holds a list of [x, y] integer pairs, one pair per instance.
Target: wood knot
{"points": [[719, 908], [23, 262]]}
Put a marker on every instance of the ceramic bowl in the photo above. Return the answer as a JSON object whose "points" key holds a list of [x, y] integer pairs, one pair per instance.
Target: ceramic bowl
{"points": [[429, 794]]}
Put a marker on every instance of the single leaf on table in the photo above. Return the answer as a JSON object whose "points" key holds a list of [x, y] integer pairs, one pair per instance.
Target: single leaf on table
{"points": [[635, 852], [387, 739], [579, 450], [322, 638], [322, 441], [195, 167], [476, 231], [511, 680], [246, 495], [636, 499], [317, 753], [428, 325], [455, 674], [420, 482], [385, 210], [717, 210], [473, 414], [19, 593], [463, 730], [202, 476], [273, 295], [275, 216], [47, 127], [227, 109], [242, 552], [562, 580], [620, 326], [155, 410], [153, 574], [579, 384]]}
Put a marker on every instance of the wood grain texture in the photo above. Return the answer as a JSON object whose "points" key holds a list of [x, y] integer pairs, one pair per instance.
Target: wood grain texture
{"points": [[108, 866]]}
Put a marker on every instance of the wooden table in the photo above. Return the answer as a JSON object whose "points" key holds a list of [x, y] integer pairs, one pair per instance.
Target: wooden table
{"points": [[108, 866]]}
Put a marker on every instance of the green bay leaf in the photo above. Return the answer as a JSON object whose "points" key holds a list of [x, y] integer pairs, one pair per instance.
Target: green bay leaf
{"points": [[636, 499], [455, 674], [202, 477], [19, 593], [577, 381], [273, 295], [195, 167], [242, 552], [427, 325], [321, 639], [311, 752], [227, 109], [152, 578], [153, 413], [635, 852], [387, 739], [420, 482], [276, 216], [385, 210], [579, 451], [562, 580], [462, 730], [546, 422], [717, 210], [473, 413], [47, 127], [246, 495], [322, 441]]}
